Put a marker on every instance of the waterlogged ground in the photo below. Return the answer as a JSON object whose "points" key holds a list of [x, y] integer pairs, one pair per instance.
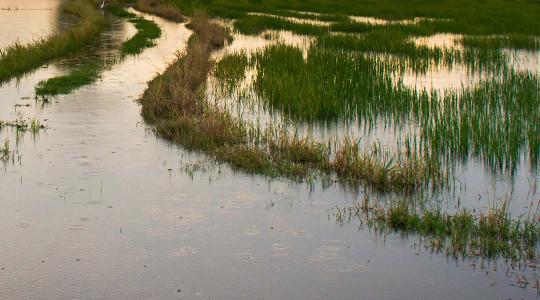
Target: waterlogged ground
{"points": [[97, 207], [476, 186]]}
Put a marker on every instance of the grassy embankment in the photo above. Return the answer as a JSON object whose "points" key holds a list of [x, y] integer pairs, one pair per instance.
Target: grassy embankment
{"points": [[147, 33], [18, 59], [176, 105]]}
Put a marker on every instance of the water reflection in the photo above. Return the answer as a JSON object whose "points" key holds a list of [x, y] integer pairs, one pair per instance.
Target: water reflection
{"points": [[101, 207]]}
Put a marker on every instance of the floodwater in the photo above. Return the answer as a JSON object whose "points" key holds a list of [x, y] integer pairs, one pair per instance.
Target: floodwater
{"points": [[41, 18], [476, 185], [99, 208]]}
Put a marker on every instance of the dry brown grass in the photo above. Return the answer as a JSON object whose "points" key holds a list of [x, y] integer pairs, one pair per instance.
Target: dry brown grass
{"points": [[160, 8]]}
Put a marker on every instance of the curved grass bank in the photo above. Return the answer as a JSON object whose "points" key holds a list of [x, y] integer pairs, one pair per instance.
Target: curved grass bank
{"points": [[147, 33], [18, 59], [175, 104]]}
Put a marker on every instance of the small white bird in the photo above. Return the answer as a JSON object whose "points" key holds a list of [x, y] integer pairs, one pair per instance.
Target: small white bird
{"points": [[102, 4]]}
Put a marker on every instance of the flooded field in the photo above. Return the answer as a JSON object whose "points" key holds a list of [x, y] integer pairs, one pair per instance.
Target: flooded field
{"points": [[95, 206], [40, 16]]}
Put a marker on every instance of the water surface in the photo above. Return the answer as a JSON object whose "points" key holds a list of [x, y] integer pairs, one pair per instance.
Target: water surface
{"points": [[100, 208]]}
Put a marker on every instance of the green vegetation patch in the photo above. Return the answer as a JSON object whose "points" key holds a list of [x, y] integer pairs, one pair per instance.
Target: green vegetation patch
{"points": [[175, 104], [461, 16], [231, 70], [495, 119], [257, 24], [147, 31], [17, 59], [494, 234], [63, 85]]}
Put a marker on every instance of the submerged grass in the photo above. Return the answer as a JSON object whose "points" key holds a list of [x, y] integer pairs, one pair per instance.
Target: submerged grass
{"points": [[17, 59], [494, 119], [230, 70], [20, 125], [464, 234], [175, 104]]}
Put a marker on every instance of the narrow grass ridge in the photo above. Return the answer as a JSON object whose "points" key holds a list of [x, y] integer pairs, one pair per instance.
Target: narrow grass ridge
{"points": [[175, 104], [147, 33], [18, 59]]}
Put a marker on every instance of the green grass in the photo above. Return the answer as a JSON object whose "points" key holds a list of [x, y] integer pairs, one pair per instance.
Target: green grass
{"points": [[230, 70], [175, 104], [147, 33], [494, 234], [257, 24], [494, 120], [63, 85], [470, 17], [497, 42], [18, 59], [6, 154]]}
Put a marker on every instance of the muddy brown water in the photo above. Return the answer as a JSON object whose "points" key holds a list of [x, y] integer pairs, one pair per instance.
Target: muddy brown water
{"points": [[99, 208]]}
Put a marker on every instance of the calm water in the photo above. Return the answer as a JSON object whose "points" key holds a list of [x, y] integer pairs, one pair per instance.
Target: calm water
{"points": [[99, 208]]}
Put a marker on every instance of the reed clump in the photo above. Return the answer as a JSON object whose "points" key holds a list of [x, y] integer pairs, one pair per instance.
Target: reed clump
{"points": [[231, 70], [491, 234], [495, 119]]}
